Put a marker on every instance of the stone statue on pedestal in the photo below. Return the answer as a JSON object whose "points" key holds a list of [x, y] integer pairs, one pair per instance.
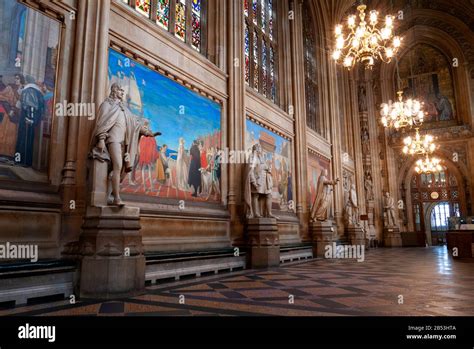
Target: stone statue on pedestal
{"points": [[369, 186], [362, 98], [322, 202], [352, 207], [115, 139], [258, 185], [389, 207]]}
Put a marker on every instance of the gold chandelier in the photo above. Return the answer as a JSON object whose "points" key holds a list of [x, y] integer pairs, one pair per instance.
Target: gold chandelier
{"points": [[402, 114], [428, 165], [419, 145], [366, 42]]}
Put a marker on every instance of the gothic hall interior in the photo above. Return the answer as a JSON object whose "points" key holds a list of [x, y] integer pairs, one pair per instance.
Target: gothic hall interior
{"points": [[237, 157]]}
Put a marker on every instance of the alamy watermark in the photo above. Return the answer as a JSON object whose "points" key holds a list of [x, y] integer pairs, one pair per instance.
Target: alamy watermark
{"points": [[37, 332], [18, 251], [76, 109], [227, 156], [345, 252]]}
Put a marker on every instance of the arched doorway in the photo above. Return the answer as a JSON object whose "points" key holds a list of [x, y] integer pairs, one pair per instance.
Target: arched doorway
{"points": [[435, 197]]}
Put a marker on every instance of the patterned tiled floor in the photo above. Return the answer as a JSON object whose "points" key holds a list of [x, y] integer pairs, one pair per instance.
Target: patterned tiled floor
{"points": [[409, 281]]}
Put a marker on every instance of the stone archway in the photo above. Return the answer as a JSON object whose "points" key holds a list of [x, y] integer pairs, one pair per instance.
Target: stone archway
{"points": [[405, 181]]}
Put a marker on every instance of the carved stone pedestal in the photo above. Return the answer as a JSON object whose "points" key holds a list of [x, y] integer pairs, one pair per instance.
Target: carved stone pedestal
{"points": [[392, 237], [322, 233], [263, 243], [112, 260], [356, 235]]}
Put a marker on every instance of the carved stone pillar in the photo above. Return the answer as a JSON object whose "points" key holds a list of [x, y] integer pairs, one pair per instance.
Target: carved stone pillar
{"points": [[236, 115], [110, 248], [88, 85], [322, 236], [263, 243], [392, 237], [356, 235], [112, 263]]}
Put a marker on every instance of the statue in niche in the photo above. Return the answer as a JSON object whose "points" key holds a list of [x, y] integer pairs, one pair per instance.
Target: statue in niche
{"points": [[365, 141], [322, 202], [351, 206], [362, 98], [258, 185], [389, 207], [115, 139], [369, 186]]}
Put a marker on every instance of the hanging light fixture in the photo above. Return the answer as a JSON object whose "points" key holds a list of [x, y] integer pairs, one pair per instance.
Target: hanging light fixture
{"points": [[365, 42], [428, 165], [419, 145], [402, 114]]}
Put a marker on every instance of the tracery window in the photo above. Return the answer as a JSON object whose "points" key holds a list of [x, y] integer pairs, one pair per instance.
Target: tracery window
{"points": [[261, 47], [185, 19], [313, 119], [435, 187]]}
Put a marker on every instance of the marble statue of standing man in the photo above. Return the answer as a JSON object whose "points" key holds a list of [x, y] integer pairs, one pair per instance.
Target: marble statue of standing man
{"points": [[322, 202], [258, 185], [115, 139], [389, 206]]}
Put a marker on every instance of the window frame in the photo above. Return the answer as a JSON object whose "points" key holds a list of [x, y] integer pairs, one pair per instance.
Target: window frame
{"points": [[172, 21], [263, 36]]}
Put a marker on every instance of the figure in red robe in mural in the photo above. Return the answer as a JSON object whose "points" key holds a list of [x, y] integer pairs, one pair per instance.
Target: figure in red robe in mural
{"points": [[148, 156]]}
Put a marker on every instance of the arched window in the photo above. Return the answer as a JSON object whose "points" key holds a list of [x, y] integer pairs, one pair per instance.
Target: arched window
{"points": [[310, 70], [261, 47], [185, 19]]}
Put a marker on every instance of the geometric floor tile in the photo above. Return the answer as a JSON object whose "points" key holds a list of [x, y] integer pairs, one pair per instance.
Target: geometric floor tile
{"points": [[398, 281]]}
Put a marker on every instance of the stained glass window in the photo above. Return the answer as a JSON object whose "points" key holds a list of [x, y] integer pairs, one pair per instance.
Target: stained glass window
{"points": [[272, 75], [163, 13], [264, 69], [247, 54], [197, 6], [261, 48], [185, 19], [255, 60], [180, 20], [270, 19], [313, 119], [254, 11], [196, 24], [143, 7]]}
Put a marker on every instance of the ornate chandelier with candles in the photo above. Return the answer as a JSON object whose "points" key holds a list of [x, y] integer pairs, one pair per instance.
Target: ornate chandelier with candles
{"points": [[419, 145], [402, 114], [428, 165], [366, 42]]}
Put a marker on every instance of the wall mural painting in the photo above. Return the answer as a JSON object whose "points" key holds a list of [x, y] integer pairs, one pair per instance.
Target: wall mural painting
{"points": [[316, 165], [426, 74], [28, 63], [278, 152], [183, 163]]}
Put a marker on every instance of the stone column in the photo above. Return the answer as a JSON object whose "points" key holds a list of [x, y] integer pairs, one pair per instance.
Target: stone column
{"points": [[110, 247], [298, 104], [236, 115], [263, 243], [89, 79]]}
